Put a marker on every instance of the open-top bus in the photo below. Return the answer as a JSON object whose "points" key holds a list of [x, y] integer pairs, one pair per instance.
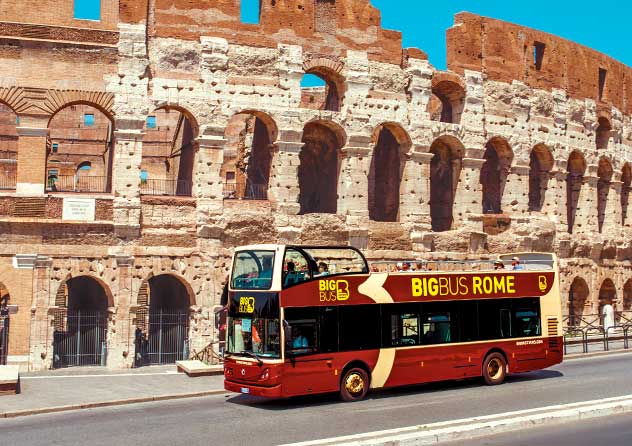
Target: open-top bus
{"points": [[307, 320]]}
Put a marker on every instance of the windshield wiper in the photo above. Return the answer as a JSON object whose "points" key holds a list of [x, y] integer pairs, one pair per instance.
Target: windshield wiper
{"points": [[252, 355]]}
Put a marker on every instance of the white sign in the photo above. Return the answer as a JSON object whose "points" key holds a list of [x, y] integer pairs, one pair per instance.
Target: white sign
{"points": [[79, 209]]}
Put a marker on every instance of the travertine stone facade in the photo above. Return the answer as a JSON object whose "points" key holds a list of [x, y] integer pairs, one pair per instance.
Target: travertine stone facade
{"points": [[524, 146]]}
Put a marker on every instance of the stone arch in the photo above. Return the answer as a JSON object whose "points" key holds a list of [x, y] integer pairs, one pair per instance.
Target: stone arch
{"points": [[498, 159], [80, 131], [604, 129], [169, 150], [607, 295], [250, 136], [448, 98], [391, 143], [69, 293], [577, 298], [604, 173], [540, 165], [627, 300], [8, 147], [319, 170], [445, 171], [330, 97], [626, 186], [576, 167]]}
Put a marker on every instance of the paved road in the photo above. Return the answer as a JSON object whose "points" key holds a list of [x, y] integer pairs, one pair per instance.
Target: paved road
{"points": [[237, 420], [611, 431]]}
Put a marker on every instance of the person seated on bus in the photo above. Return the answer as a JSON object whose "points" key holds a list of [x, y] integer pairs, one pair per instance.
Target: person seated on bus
{"points": [[266, 268], [291, 275], [323, 269], [498, 264], [516, 265]]}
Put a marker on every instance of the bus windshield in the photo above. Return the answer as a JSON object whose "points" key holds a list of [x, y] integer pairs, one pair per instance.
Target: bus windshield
{"points": [[252, 270]]}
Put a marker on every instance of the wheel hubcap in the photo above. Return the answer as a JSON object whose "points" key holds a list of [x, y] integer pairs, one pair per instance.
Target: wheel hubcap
{"points": [[354, 383], [494, 368]]}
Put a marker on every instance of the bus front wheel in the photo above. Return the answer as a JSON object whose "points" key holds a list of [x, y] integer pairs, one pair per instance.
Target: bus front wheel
{"points": [[354, 385], [494, 369]]}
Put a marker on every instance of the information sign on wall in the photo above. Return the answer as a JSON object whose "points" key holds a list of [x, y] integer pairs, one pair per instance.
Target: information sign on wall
{"points": [[79, 209]]}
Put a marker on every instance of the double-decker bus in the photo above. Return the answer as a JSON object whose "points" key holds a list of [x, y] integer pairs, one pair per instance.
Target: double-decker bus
{"points": [[306, 320]]}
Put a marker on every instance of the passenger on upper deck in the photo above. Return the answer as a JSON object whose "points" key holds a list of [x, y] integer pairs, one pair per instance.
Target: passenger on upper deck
{"points": [[498, 264], [323, 269], [516, 265]]}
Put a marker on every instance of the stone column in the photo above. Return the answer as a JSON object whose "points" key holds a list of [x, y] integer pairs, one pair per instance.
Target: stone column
{"points": [[469, 191], [612, 222], [31, 178], [128, 154], [353, 182], [42, 313], [555, 200], [208, 186], [121, 345], [587, 210], [515, 199], [414, 206], [284, 187]]}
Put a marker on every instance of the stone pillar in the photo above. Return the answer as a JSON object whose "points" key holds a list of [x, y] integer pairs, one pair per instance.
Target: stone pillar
{"points": [[128, 153], [353, 182], [42, 313], [587, 210], [31, 178], [515, 199], [414, 206], [121, 344], [612, 222], [469, 191], [208, 182], [284, 188], [555, 201]]}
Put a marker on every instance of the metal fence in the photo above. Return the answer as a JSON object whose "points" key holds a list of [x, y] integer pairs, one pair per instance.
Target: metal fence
{"points": [[8, 180], [179, 188], [77, 183], [166, 340], [80, 339], [589, 333], [240, 191], [4, 338]]}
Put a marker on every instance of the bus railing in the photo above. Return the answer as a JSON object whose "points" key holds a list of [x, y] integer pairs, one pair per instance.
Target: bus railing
{"points": [[421, 266]]}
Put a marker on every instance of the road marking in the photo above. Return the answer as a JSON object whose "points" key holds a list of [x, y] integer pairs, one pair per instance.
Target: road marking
{"points": [[468, 428], [113, 375]]}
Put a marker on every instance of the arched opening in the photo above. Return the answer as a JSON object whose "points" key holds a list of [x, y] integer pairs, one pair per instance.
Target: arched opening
{"points": [[447, 102], [626, 180], [80, 336], [445, 170], [249, 137], [627, 301], [162, 321], [168, 153], [577, 298], [576, 167], [498, 158], [322, 89], [607, 295], [79, 133], [8, 148], [604, 173], [319, 168], [540, 165], [385, 173], [603, 134], [4, 323]]}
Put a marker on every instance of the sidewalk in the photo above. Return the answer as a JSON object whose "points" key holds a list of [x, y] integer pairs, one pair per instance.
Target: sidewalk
{"points": [[80, 388]]}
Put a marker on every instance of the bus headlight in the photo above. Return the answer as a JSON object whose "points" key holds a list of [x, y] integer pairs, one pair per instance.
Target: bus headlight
{"points": [[265, 375]]}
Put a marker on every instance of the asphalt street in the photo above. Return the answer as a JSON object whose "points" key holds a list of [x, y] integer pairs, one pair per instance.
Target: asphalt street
{"points": [[243, 420]]}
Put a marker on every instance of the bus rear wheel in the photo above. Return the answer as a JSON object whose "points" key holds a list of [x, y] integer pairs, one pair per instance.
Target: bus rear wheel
{"points": [[494, 369], [354, 385]]}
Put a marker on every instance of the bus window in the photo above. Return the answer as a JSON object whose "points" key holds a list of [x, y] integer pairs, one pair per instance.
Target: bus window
{"points": [[505, 323], [401, 325], [295, 268], [359, 327], [328, 330], [301, 330], [252, 270], [527, 323], [436, 329]]}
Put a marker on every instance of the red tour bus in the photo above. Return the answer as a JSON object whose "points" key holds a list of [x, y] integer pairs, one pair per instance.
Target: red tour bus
{"points": [[307, 320]]}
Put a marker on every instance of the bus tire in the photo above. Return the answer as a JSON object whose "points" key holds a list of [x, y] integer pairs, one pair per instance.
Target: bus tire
{"points": [[494, 369], [354, 385]]}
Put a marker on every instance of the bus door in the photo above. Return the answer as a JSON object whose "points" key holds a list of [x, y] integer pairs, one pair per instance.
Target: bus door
{"points": [[310, 340]]}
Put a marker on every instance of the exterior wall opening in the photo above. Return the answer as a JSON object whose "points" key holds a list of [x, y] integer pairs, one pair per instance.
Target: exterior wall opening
{"points": [[77, 142], [498, 158], [319, 168], [385, 174], [80, 327], [541, 163], [577, 298], [607, 295], [626, 316], [603, 190], [447, 102], [246, 171], [576, 167], [162, 322], [168, 154], [603, 134], [445, 170], [8, 148], [250, 11], [322, 89], [603, 74], [538, 54], [626, 180]]}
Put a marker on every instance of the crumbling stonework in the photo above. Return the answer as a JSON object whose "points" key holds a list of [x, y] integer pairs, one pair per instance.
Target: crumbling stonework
{"points": [[205, 140]]}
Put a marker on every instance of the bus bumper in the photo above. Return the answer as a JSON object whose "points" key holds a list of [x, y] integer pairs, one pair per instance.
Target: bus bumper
{"points": [[246, 389]]}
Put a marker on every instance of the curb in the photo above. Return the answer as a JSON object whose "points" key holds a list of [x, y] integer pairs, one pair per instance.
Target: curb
{"points": [[54, 409], [597, 354], [467, 429]]}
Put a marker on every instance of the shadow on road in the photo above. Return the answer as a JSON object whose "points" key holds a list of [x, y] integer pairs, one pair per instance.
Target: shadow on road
{"points": [[332, 398]]}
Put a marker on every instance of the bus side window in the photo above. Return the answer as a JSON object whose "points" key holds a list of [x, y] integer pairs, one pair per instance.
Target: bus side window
{"points": [[437, 328], [505, 323]]}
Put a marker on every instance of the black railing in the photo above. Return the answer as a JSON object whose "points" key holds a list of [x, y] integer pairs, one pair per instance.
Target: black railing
{"points": [[166, 341], [4, 337], [77, 183], [8, 180], [239, 191], [589, 332], [81, 341], [180, 188]]}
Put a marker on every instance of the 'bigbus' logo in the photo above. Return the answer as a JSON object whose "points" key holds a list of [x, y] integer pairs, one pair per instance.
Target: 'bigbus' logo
{"points": [[542, 283], [333, 290], [247, 305]]}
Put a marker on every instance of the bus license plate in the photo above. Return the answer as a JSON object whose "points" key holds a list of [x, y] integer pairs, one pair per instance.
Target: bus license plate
{"points": [[244, 390]]}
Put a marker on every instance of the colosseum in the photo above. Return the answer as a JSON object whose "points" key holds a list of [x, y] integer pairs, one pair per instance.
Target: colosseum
{"points": [[139, 148]]}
